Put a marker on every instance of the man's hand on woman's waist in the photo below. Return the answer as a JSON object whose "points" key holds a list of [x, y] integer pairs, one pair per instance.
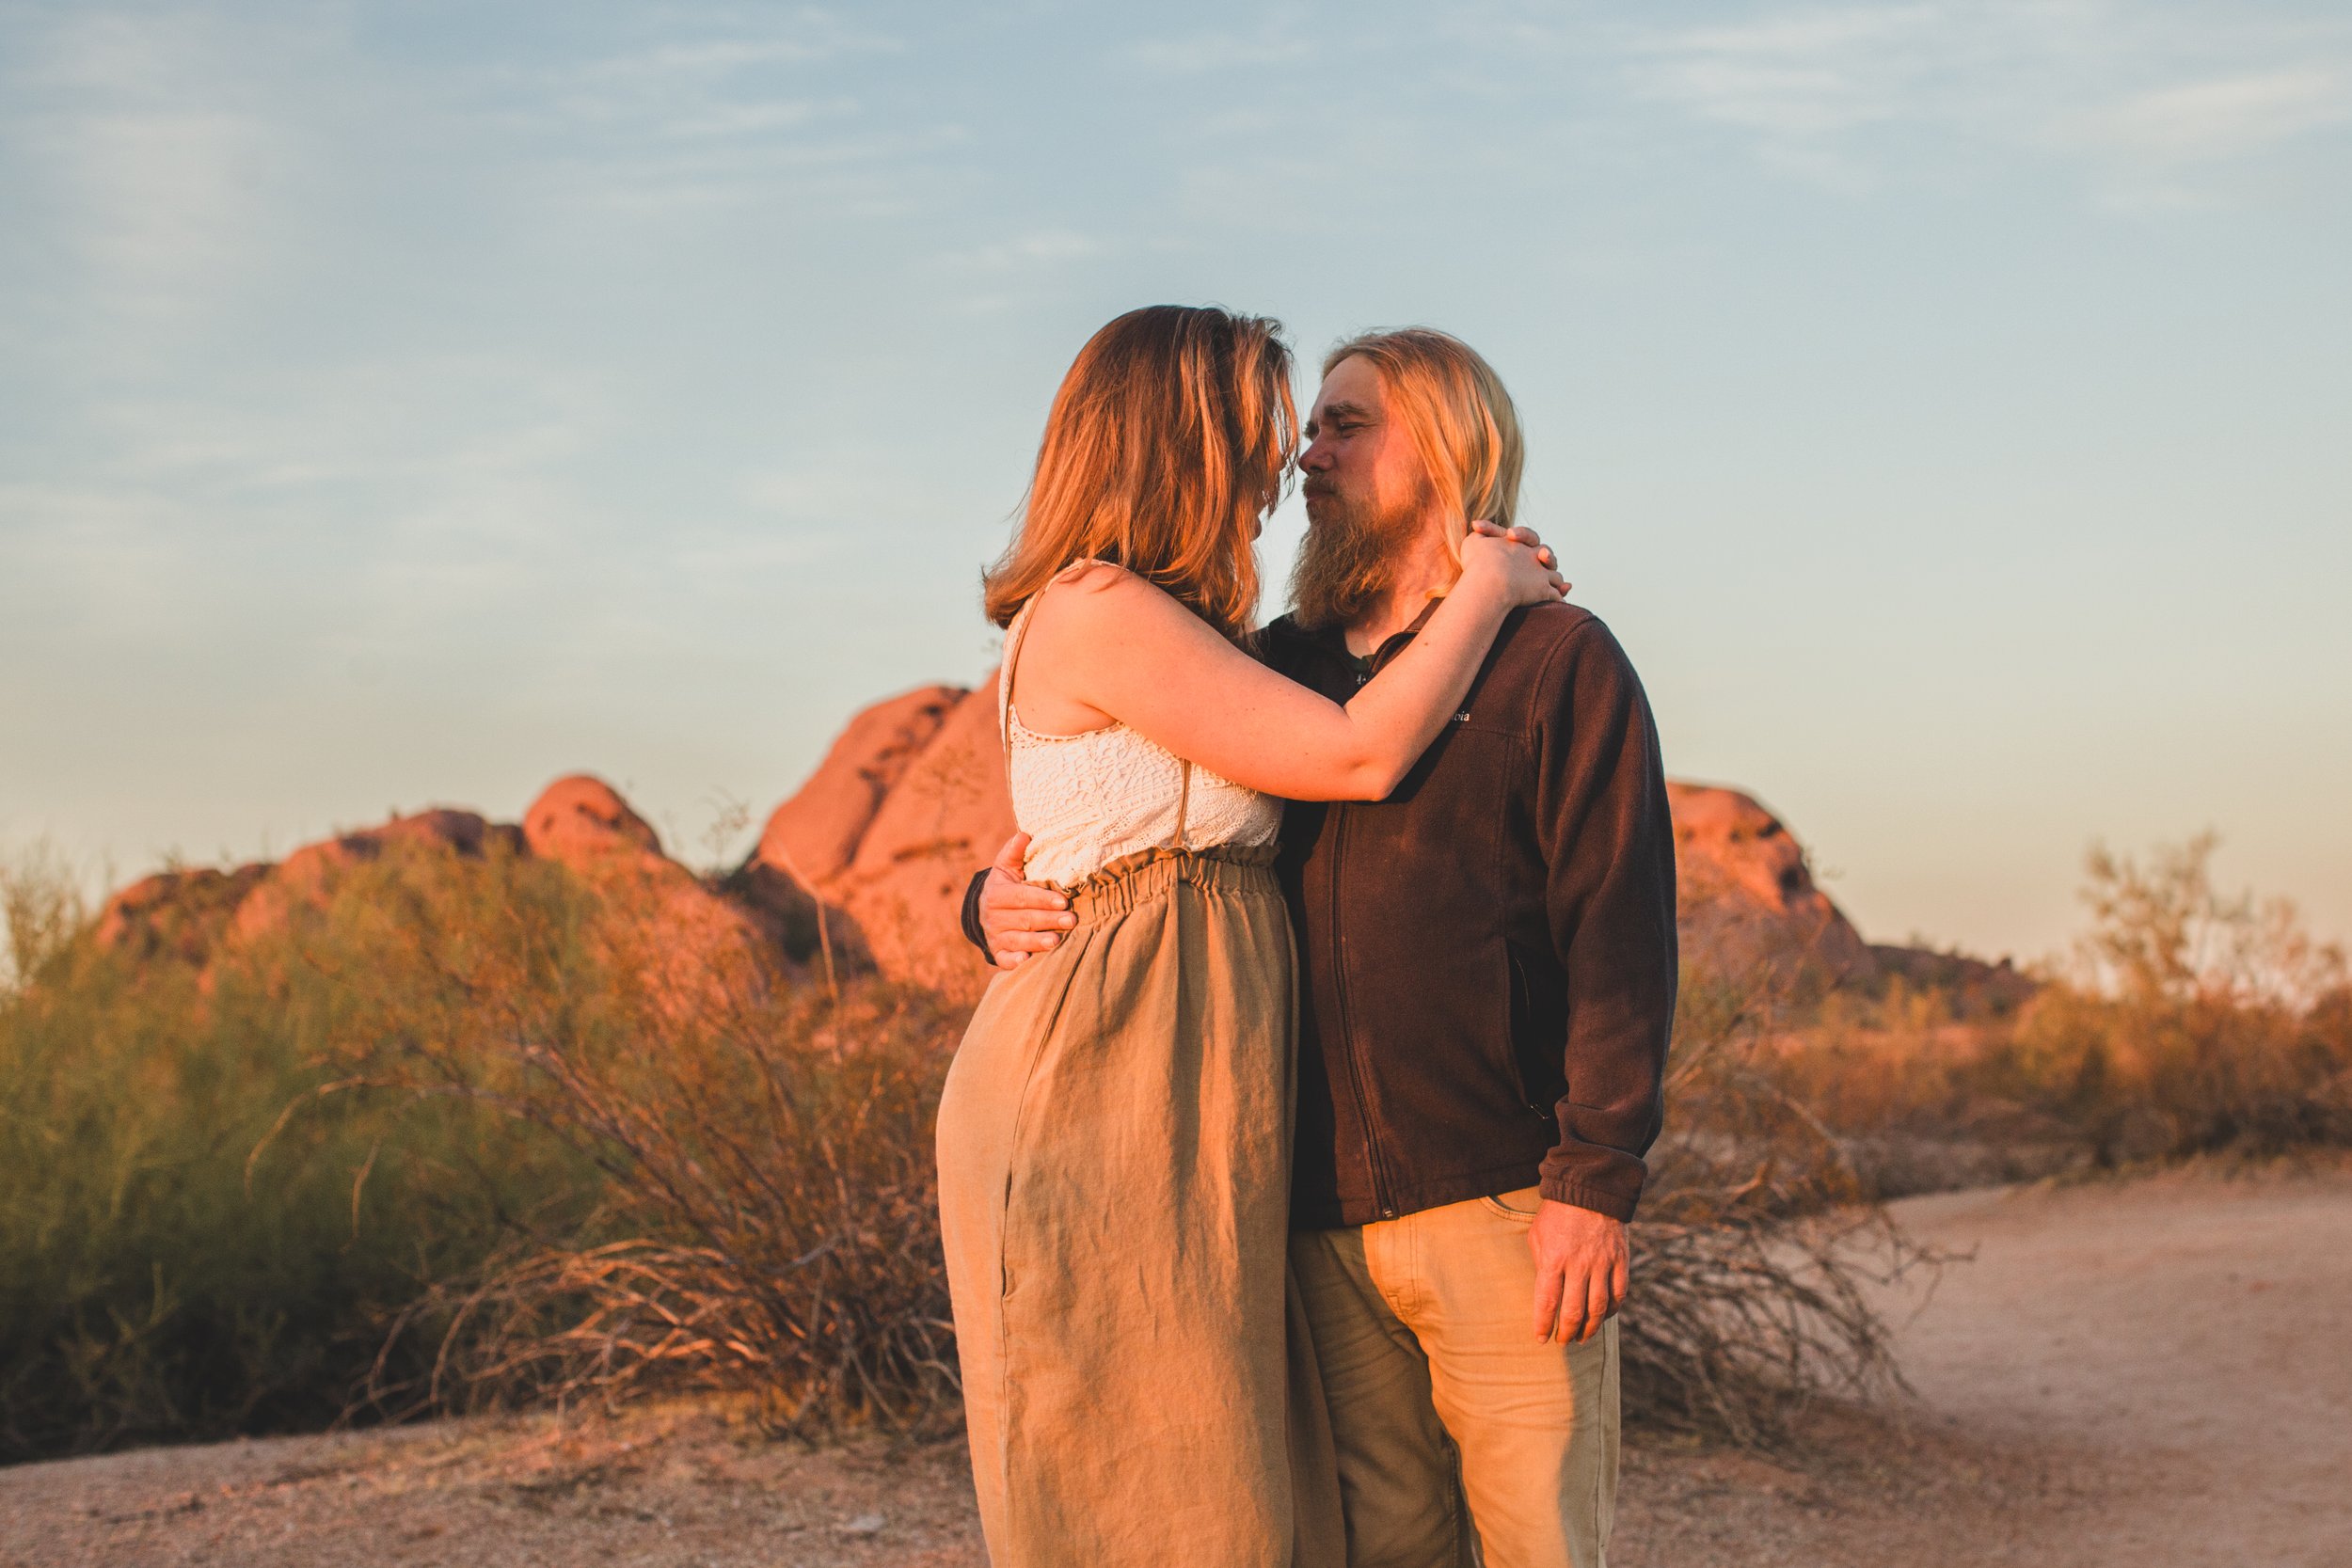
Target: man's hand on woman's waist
{"points": [[1016, 917]]}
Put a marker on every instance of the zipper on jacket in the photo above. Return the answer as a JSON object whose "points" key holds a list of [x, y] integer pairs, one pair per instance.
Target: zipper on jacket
{"points": [[1381, 1200]]}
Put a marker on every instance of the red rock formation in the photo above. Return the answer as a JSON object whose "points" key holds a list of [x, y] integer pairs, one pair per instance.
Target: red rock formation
{"points": [[1970, 986], [305, 878], [180, 915], [881, 841], [911, 799], [814, 834], [583, 822], [659, 917], [888, 830], [1747, 893], [949, 814], [192, 916]]}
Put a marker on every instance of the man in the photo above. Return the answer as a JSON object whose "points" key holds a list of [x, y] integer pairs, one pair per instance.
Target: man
{"points": [[1487, 978]]}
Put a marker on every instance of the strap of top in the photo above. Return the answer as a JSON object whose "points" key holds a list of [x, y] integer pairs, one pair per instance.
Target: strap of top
{"points": [[1018, 632], [1014, 634]]}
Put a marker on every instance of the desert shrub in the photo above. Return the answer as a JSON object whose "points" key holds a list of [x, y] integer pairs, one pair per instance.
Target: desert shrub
{"points": [[42, 911], [454, 1138], [462, 1133], [2191, 1023], [159, 1281], [455, 1132], [767, 1220], [751, 1197], [1914, 1084], [2186, 1023]]}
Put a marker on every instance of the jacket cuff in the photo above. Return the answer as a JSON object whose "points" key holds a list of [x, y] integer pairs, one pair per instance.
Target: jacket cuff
{"points": [[972, 931], [1563, 1187]]}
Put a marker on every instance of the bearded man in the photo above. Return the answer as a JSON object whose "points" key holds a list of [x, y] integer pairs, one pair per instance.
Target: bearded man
{"points": [[1487, 965]]}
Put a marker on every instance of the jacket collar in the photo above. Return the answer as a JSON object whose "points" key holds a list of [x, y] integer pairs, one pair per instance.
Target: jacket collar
{"points": [[1333, 639]]}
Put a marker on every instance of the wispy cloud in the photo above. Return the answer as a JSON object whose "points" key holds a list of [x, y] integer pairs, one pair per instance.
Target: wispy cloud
{"points": [[429, 485], [1042, 247], [750, 113], [156, 175], [1273, 44], [733, 82], [2228, 117], [1002, 275], [1810, 74], [802, 37], [2137, 96]]}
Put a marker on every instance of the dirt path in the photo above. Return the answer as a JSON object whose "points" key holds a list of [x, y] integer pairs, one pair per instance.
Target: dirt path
{"points": [[2137, 1374], [2182, 1345], [2148, 1373]]}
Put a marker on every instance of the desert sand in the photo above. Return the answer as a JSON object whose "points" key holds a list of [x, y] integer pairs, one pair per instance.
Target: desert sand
{"points": [[2145, 1372]]}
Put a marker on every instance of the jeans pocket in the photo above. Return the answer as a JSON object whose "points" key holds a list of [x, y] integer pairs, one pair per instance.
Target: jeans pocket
{"points": [[1517, 1207]]}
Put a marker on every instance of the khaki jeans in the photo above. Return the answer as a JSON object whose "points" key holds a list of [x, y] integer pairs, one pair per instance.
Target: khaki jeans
{"points": [[1440, 1393]]}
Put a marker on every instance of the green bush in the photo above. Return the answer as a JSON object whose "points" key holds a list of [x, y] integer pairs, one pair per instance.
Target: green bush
{"points": [[455, 1132], [159, 1278]]}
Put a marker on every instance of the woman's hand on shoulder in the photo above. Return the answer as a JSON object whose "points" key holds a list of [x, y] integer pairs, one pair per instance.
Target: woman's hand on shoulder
{"points": [[1509, 565], [1521, 533]]}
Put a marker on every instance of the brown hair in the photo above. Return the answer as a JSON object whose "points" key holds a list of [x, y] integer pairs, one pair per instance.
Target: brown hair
{"points": [[1169, 437], [1462, 420]]}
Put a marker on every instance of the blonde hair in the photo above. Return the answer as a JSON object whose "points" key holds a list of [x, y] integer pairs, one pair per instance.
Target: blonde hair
{"points": [[1462, 419], [1169, 437]]}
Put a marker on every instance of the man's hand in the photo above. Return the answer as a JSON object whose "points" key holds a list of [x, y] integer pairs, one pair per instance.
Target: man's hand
{"points": [[1581, 1262], [1020, 918]]}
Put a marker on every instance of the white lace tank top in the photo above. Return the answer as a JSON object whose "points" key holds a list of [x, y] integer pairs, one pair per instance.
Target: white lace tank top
{"points": [[1087, 800]]}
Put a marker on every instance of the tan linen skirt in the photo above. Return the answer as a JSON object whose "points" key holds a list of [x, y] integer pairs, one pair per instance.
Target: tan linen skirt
{"points": [[1114, 1177]]}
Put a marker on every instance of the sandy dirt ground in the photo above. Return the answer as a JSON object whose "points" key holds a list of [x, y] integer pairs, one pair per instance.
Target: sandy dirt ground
{"points": [[2132, 1374], [2148, 1373]]}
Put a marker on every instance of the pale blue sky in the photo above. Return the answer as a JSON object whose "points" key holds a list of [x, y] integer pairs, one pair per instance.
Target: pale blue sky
{"points": [[404, 402]]}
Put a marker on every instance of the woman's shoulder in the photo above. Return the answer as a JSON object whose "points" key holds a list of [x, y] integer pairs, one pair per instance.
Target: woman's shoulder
{"points": [[1094, 590], [1098, 612], [1096, 576], [1121, 624]]}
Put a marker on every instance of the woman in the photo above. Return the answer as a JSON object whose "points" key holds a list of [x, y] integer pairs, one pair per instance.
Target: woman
{"points": [[1114, 1135]]}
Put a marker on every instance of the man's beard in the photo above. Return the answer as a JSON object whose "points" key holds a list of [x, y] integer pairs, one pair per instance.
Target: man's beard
{"points": [[1349, 557]]}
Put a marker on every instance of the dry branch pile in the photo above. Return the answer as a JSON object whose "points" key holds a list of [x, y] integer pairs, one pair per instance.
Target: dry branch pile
{"points": [[1756, 1238], [767, 1220]]}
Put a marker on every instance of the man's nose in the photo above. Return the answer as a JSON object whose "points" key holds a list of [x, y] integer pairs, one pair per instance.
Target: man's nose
{"points": [[1316, 458]]}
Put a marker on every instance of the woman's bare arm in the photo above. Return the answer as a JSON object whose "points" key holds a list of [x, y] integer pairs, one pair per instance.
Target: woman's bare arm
{"points": [[1107, 641]]}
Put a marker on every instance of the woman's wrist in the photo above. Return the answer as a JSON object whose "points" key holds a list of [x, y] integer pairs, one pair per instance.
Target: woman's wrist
{"points": [[1489, 597]]}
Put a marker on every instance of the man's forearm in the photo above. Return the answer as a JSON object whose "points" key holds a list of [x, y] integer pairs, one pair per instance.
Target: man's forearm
{"points": [[1621, 972], [1609, 836]]}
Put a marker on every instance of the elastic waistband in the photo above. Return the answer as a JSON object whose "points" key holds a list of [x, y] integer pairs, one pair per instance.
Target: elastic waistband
{"points": [[1132, 879]]}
